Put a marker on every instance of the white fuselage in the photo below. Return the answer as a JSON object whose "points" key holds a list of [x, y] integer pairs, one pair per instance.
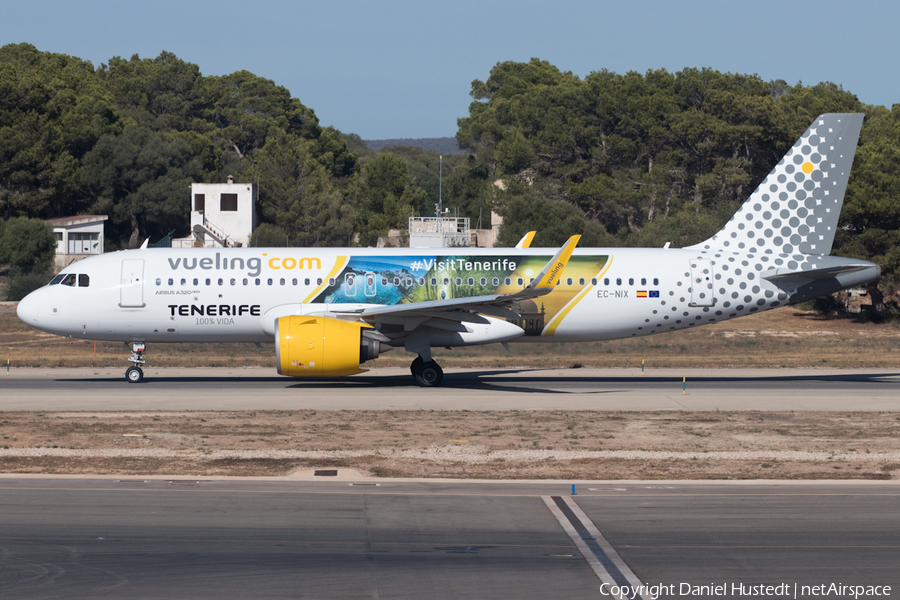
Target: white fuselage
{"points": [[235, 294]]}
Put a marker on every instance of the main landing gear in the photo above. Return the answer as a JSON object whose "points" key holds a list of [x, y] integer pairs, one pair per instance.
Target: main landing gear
{"points": [[427, 373], [134, 374]]}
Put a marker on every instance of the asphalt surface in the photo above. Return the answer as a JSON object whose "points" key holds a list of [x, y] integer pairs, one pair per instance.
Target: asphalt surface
{"points": [[136, 538], [462, 389]]}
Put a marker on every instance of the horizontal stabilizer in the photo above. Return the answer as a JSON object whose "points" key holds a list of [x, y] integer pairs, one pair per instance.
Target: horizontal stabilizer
{"points": [[777, 276]]}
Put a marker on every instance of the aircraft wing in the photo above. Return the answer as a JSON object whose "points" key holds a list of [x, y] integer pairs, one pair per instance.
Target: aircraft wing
{"points": [[495, 304]]}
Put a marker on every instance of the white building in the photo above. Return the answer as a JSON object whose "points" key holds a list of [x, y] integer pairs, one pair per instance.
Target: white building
{"points": [[77, 238], [222, 215]]}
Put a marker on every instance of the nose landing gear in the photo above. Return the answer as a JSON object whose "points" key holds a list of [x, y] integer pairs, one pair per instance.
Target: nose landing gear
{"points": [[134, 374]]}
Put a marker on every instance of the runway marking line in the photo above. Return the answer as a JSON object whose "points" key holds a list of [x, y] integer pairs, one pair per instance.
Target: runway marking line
{"points": [[388, 492], [599, 554]]}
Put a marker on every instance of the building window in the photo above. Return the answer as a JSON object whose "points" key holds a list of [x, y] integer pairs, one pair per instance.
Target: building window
{"points": [[228, 202], [199, 202], [84, 243]]}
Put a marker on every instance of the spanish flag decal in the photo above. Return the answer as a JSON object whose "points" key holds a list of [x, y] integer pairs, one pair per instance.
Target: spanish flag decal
{"points": [[642, 294]]}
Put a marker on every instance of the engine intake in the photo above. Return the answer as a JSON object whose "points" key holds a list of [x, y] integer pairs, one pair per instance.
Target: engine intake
{"points": [[323, 346]]}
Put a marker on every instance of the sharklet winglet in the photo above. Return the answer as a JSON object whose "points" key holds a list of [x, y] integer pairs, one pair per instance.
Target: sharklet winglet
{"points": [[526, 240]]}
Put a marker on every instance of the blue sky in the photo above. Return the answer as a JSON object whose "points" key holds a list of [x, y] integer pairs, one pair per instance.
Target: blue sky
{"points": [[398, 69]]}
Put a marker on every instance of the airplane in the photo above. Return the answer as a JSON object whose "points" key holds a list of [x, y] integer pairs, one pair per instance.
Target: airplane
{"points": [[329, 310]]}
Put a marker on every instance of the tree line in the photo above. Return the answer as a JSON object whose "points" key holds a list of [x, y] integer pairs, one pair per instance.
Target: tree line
{"points": [[638, 159]]}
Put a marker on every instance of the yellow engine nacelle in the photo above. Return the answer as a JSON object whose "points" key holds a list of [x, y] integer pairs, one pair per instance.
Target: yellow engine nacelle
{"points": [[322, 346]]}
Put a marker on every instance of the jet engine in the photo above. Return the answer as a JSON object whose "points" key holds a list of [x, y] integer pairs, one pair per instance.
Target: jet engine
{"points": [[307, 346]]}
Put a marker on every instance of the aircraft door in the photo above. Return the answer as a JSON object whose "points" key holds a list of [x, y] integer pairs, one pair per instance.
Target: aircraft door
{"points": [[702, 282], [132, 288]]}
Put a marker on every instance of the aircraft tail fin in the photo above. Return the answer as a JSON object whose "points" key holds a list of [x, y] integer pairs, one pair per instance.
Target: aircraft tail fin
{"points": [[796, 208]]}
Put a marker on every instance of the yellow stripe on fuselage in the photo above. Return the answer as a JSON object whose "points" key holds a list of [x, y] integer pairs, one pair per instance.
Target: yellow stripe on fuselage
{"points": [[550, 329], [339, 265]]}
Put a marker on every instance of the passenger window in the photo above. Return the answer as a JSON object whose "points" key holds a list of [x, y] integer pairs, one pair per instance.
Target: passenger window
{"points": [[293, 282], [318, 281], [409, 281], [459, 281], [257, 282], [59, 278], [520, 281], [158, 281], [196, 281], [246, 282], [508, 281], [172, 281], [495, 281], [234, 282], [581, 281], [269, 281], [643, 281], [569, 281], [83, 280], [209, 281], [655, 281], [69, 280], [434, 281], [331, 281], [446, 281], [183, 281], [421, 281], [306, 281], [606, 281], [396, 281], [631, 282], [384, 281], [221, 282], [593, 281], [618, 281], [472, 281], [281, 281]]}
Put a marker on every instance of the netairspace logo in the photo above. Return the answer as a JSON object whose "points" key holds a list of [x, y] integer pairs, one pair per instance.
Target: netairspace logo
{"points": [[738, 590]]}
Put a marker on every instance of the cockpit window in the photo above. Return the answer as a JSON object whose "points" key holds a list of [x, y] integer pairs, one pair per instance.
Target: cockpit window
{"points": [[57, 279], [69, 280], [83, 280]]}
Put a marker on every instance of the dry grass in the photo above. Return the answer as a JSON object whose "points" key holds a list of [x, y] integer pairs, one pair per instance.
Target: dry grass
{"points": [[188, 433], [783, 337]]}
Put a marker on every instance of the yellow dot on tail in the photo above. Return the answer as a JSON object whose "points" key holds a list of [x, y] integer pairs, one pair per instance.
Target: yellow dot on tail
{"points": [[808, 167]]}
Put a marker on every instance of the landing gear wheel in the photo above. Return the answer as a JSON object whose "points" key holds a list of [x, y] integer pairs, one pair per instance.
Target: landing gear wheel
{"points": [[428, 374], [416, 365], [134, 375]]}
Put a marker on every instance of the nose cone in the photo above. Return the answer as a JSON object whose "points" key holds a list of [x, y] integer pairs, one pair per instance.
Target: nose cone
{"points": [[28, 309]]}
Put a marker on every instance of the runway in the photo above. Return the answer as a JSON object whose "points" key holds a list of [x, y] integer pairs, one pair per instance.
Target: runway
{"points": [[137, 538], [463, 389]]}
